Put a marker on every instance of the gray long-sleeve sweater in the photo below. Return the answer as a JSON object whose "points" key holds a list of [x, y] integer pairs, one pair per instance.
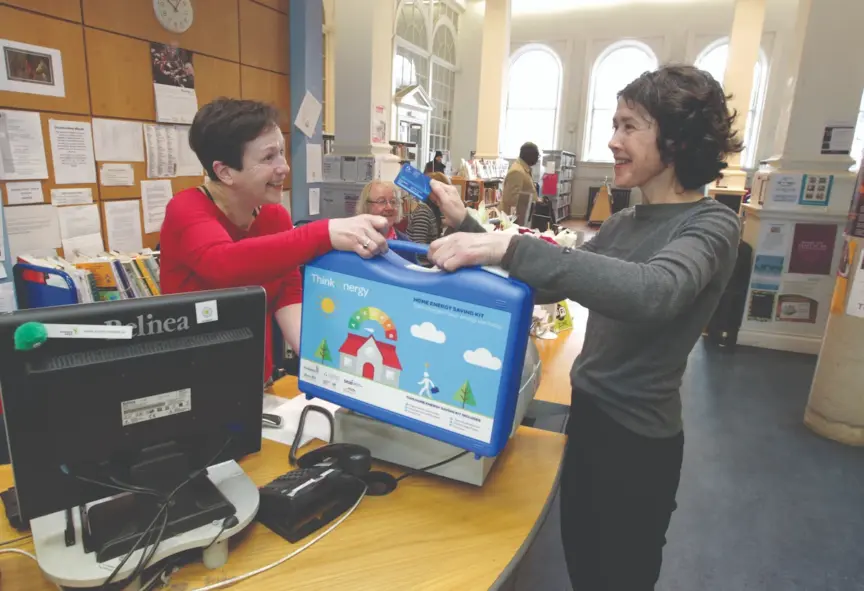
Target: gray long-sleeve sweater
{"points": [[651, 279]]}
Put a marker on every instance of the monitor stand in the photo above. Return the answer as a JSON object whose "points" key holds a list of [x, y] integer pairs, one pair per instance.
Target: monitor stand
{"points": [[72, 566]]}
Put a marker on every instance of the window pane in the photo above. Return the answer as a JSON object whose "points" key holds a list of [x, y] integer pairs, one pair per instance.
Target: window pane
{"points": [[713, 61], [601, 133], [534, 80], [615, 71], [858, 141], [529, 125]]}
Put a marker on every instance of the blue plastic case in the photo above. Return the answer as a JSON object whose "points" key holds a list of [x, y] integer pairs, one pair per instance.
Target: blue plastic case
{"points": [[436, 353]]}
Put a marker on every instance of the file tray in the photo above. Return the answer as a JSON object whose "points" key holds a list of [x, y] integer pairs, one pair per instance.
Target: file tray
{"points": [[439, 354]]}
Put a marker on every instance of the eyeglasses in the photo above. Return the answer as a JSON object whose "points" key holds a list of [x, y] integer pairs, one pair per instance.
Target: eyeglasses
{"points": [[385, 202]]}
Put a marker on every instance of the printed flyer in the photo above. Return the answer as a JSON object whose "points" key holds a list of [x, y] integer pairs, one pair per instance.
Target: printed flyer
{"points": [[430, 358]]}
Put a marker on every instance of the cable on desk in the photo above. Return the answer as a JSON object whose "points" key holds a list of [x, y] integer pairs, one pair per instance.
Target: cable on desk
{"points": [[295, 445], [414, 471], [163, 510], [15, 540], [27, 554], [289, 556], [19, 551]]}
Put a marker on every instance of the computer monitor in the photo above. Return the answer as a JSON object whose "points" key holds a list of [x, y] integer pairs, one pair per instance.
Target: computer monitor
{"points": [[145, 412]]}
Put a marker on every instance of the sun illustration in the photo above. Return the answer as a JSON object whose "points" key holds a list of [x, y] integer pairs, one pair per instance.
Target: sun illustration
{"points": [[328, 305]]}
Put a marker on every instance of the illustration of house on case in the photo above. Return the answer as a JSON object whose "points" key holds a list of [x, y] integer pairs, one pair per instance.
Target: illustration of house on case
{"points": [[363, 356]]}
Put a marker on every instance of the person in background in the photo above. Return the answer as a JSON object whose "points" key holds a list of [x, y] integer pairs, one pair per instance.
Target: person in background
{"points": [[519, 179], [436, 164], [425, 225], [233, 231], [651, 279], [381, 198]]}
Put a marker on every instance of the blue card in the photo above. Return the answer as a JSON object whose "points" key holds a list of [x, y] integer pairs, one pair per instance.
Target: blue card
{"points": [[414, 182]]}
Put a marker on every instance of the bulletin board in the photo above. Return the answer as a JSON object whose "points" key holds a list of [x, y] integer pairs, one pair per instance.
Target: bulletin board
{"points": [[238, 48]]}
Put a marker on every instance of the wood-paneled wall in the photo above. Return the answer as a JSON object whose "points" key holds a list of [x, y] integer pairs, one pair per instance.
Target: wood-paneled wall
{"points": [[240, 50]]}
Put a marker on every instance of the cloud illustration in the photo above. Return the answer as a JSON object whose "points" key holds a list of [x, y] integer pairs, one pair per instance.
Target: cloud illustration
{"points": [[428, 332], [482, 358]]}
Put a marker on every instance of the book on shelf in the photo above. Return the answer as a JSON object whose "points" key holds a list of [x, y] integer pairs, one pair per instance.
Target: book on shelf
{"points": [[109, 276]]}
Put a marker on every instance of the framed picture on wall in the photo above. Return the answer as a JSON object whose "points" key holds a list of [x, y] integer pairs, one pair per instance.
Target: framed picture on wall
{"points": [[31, 69]]}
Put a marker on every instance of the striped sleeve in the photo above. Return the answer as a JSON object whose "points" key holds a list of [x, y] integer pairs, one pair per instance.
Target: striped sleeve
{"points": [[422, 225]]}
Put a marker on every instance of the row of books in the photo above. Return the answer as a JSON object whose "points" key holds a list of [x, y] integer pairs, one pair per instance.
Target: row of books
{"points": [[109, 276]]}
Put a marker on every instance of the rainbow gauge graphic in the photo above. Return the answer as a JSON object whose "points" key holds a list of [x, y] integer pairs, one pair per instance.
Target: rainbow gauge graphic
{"points": [[375, 315]]}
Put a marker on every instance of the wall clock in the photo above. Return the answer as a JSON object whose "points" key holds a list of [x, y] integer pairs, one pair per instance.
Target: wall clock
{"points": [[174, 15]]}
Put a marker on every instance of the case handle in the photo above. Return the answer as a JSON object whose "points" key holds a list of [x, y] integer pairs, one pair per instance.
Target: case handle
{"points": [[408, 246], [423, 249]]}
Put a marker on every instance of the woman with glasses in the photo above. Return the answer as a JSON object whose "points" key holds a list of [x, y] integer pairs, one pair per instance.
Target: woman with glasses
{"points": [[380, 198], [232, 231]]}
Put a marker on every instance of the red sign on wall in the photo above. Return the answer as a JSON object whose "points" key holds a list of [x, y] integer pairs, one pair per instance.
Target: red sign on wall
{"points": [[813, 249]]}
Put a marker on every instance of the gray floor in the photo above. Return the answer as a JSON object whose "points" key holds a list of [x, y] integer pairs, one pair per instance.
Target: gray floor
{"points": [[764, 504]]}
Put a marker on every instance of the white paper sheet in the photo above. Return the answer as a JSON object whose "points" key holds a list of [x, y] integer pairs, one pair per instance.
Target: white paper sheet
{"points": [[72, 152], [307, 114], [161, 143], [785, 188], [22, 149], [32, 228], [175, 104], [79, 220], [313, 163], [286, 200], [7, 297], [855, 301], [774, 239], [187, 162], [349, 168], [365, 169], [88, 246], [71, 196], [314, 201], [118, 140], [26, 193], [117, 175], [332, 168], [316, 426], [2, 232], [46, 77], [123, 220], [155, 196]]}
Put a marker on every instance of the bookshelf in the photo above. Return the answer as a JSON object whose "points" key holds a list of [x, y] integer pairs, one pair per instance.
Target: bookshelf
{"points": [[557, 182]]}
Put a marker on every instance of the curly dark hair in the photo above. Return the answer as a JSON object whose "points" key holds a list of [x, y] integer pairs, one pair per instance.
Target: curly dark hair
{"points": [[222, 128], [694, 123]]}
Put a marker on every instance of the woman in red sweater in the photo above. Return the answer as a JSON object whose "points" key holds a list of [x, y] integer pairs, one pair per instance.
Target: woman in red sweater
{"points": [[233, 231]]}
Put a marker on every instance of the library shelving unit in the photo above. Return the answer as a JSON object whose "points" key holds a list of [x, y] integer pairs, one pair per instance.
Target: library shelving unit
{"points": [[407, 151], [557, 181], [482, 182]]}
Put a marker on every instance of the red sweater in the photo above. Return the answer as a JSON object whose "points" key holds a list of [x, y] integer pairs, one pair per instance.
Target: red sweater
{"points": [[202, 249]]}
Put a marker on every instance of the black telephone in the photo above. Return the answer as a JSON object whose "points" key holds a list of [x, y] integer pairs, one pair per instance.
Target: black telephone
{"points": [[327, 482]]}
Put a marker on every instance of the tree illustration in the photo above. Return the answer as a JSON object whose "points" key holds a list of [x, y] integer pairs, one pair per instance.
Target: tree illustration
{"points": [[465, 396], [323, 352]]}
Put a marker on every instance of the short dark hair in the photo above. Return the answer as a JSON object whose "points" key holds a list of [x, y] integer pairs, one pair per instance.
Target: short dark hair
{"points": [[530, 153], [222, 128], [694, 123]]}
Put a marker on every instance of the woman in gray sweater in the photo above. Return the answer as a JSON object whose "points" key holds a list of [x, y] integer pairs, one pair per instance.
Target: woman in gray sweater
{"points": [[651, 280]]}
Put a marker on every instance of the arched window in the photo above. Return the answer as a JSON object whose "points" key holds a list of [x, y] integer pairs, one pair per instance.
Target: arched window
{"points": [[713, 60], [533, 94], [858, 141], [616, 67], [443, 85], [411, 25]]}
